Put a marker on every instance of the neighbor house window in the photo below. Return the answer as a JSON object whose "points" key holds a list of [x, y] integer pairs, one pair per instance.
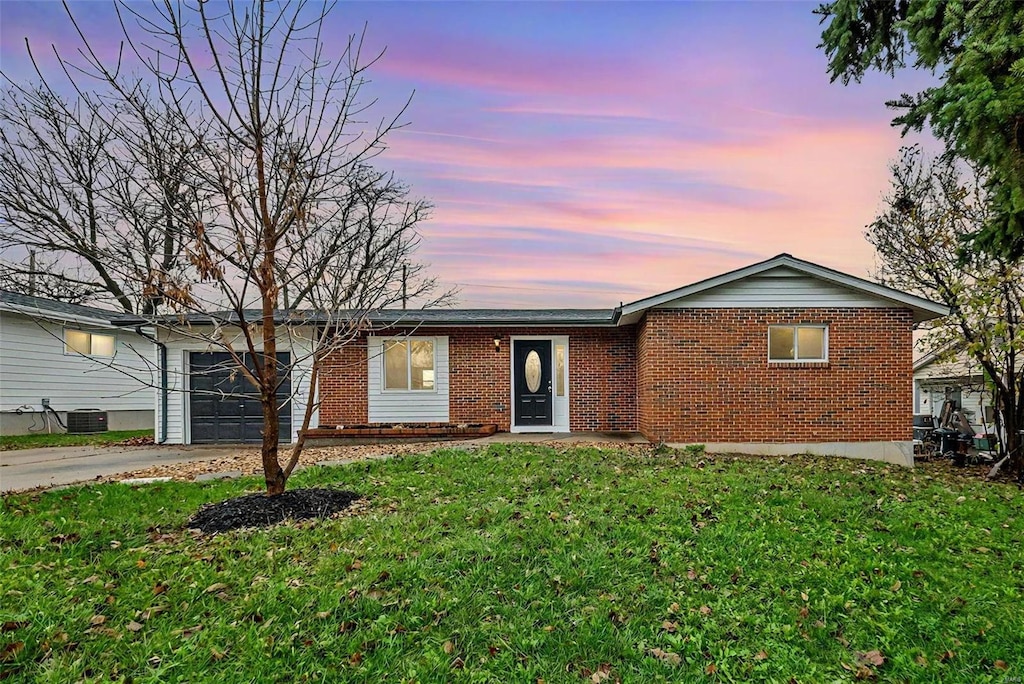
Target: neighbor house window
{"points": [[87, 343], [797, 343], [409, 364]]}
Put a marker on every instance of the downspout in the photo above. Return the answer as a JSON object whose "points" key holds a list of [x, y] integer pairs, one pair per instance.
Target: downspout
{"points": [[163, 382]]}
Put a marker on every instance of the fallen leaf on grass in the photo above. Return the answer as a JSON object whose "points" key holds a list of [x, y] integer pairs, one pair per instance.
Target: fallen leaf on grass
{"points": [[761, 655], [186, 632], [921, 660], [448, 647], [355, 658], [134, 626], [150, 612], [666, 657], [705, 610], [219, 586], [669, 626], [674, 608], [65, 538], [870, 658], [896, 587], [12, 625], [711, 669], [948, 655], [159, 589], [217, 655], [1000, 665], [323, 614], [97, 620], [9, 651]]}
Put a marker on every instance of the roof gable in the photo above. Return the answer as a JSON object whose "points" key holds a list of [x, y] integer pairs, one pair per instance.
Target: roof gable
{"points": [[765, 284]]}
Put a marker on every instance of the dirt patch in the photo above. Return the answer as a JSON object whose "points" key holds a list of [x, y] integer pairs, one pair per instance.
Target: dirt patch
{"points": [[260, 510], [248, 460]]}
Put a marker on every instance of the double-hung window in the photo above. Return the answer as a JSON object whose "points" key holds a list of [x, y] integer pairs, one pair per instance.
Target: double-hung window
{"points": [[798, 343], [88, 343], [409, 364]]}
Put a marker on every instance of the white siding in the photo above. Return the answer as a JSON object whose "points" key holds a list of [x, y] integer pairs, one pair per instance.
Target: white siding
{"points": [[779, 288], [33, 366], [959, 367], [407, 407], [178, 349]]}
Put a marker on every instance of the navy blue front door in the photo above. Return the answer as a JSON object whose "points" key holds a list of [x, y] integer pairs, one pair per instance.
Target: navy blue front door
{"points": [[531, 382]]}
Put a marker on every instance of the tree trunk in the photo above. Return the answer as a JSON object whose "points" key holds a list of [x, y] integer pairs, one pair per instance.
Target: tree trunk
{"points": [[1012, 424], [273, 474]]}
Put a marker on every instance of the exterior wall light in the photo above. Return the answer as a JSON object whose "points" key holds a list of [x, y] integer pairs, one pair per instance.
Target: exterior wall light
{"points": [[497, 342]]}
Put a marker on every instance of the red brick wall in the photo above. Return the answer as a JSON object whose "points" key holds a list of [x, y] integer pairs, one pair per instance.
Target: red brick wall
{"points": [[703, 376], [342, 386], [602, 378]]}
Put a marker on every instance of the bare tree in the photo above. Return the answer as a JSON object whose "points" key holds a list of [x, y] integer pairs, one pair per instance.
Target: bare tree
{"points": [[929, 215], [90, 217], [285, 228]]}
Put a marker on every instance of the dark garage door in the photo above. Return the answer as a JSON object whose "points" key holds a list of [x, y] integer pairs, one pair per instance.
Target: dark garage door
{"points": [[224, 406]]}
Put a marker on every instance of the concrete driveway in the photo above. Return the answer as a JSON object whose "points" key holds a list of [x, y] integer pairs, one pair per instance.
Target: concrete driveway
{"points": [[53, 466]]}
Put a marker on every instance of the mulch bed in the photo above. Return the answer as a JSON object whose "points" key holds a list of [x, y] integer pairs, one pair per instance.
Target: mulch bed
{"points": [[260, 510]]}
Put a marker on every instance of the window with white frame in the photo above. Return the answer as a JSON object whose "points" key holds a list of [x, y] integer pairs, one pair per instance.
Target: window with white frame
{"points": [[409, 364], [88, 343], [798, 343]]}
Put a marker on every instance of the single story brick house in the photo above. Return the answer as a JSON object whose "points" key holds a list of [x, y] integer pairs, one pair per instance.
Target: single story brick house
{"points": [[783, 356]]}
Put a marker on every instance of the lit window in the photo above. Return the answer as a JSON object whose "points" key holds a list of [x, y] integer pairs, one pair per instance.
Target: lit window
{"points": [[797, 343], [409, 364], [88, 344]]}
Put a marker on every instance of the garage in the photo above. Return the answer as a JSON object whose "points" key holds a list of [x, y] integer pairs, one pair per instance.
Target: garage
{"points": [[224, 407]]}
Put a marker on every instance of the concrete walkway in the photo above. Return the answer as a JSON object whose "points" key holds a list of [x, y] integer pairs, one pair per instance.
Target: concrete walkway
{"points": [[53, 466]]}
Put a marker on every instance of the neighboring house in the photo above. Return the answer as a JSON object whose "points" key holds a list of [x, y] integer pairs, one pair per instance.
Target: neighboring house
{"points": [[70, 357], [940, 376], [780, 357]]}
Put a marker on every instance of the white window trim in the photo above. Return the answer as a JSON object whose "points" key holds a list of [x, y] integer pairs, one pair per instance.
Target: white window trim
{"points": [[796, 343], [90, 333], [408, 365]]}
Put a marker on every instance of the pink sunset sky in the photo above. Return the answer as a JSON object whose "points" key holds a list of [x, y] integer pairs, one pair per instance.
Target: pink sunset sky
{"points": [[583, 154]]}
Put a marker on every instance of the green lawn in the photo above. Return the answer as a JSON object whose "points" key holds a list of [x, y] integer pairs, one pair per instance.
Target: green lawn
{"points": [[520, 563], [37, 440]]}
